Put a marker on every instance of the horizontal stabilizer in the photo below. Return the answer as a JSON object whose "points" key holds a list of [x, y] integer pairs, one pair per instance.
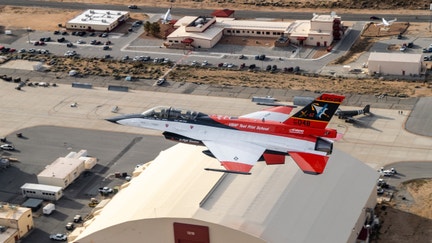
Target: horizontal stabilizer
{"points": [[236, 166], [228, 171], [274, 159], [310, 163]]}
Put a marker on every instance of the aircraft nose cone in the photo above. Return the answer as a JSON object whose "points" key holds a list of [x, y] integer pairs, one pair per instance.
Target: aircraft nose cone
{"points": [[114, 119]]}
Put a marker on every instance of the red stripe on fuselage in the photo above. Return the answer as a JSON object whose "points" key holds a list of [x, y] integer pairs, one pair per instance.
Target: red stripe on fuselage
{"points": [[275, 128]]}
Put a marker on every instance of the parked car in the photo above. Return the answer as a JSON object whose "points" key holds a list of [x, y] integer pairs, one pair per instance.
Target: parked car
{"points": [[39, 43], [133, 7], [70, 226], [380, 190], [105, 190], [77, 218], [59, 237], [160, 81], [70, 53], [427, 50], [7, 146]]}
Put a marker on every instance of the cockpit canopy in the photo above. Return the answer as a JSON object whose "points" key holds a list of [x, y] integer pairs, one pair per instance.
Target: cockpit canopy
{"points": [[170, 113]]}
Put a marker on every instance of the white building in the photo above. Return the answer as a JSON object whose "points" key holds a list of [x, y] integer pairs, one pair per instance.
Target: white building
{"points": [[64, 170], [99, 20], [175, 200], [385, 63], [205, 32], [46, 192]]}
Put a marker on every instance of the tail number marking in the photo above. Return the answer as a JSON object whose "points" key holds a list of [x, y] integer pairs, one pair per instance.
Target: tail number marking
{"points": [[302, 122]]}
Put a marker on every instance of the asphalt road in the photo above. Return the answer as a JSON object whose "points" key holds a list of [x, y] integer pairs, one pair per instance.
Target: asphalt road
{"points": [[241, 14]]}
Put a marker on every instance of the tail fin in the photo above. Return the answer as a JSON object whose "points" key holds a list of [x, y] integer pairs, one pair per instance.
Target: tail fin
{"points": [[366, 110], [318, 113]]}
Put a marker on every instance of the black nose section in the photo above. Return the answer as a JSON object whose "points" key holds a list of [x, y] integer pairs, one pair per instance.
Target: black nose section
{"points": [[114, 119]]}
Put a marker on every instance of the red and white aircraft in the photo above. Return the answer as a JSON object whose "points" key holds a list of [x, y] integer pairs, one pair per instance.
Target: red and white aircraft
{"points": [[239, 142]]}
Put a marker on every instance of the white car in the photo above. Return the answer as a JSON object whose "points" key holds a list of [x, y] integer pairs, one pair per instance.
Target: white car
{"points": [[389, 172], [7, 147], [105, 190], [70, 53], [59, 237]]}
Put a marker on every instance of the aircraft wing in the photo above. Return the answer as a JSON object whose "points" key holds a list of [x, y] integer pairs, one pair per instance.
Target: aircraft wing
{"points": [[235, 156], [277, 113]]}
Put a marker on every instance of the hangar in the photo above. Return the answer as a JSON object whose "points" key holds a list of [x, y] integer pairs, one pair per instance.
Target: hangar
{"points": [[99, 20], [394, 63], [176, 197]]}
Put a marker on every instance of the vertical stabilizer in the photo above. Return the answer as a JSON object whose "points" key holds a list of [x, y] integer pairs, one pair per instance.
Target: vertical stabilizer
{"points": [[318, 113]]}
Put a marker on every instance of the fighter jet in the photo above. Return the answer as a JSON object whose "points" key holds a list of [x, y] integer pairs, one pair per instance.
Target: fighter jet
{"points": [[239, 142], [386, 23], [166, 17], [348, 116]]}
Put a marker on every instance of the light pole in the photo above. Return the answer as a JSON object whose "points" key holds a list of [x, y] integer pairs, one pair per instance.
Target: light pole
{"points": [[430, 16], [28, 34]]}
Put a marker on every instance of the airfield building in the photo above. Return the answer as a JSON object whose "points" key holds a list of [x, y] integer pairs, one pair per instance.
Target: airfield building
{"points": [[206, 32], [15, 222], [64, 170], [46, 192], [277, 203], [385, 63], [97, 20]]}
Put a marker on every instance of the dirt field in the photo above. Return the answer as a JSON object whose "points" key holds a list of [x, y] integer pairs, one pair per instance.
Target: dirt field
{"points": [[402, 220]]}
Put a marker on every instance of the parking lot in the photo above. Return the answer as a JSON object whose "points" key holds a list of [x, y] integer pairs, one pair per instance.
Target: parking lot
{"points": [[39, 146]]}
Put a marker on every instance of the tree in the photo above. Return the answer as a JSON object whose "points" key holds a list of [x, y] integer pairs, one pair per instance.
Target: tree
{"points": [[155, 29], [147, 27]]}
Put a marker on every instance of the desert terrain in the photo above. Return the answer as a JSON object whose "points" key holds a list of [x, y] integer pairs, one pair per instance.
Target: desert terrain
{"points": [[12, 17], [401, 221]]}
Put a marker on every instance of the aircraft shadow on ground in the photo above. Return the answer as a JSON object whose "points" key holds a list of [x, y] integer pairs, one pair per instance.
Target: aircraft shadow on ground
{"points": [[367, 121]]}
